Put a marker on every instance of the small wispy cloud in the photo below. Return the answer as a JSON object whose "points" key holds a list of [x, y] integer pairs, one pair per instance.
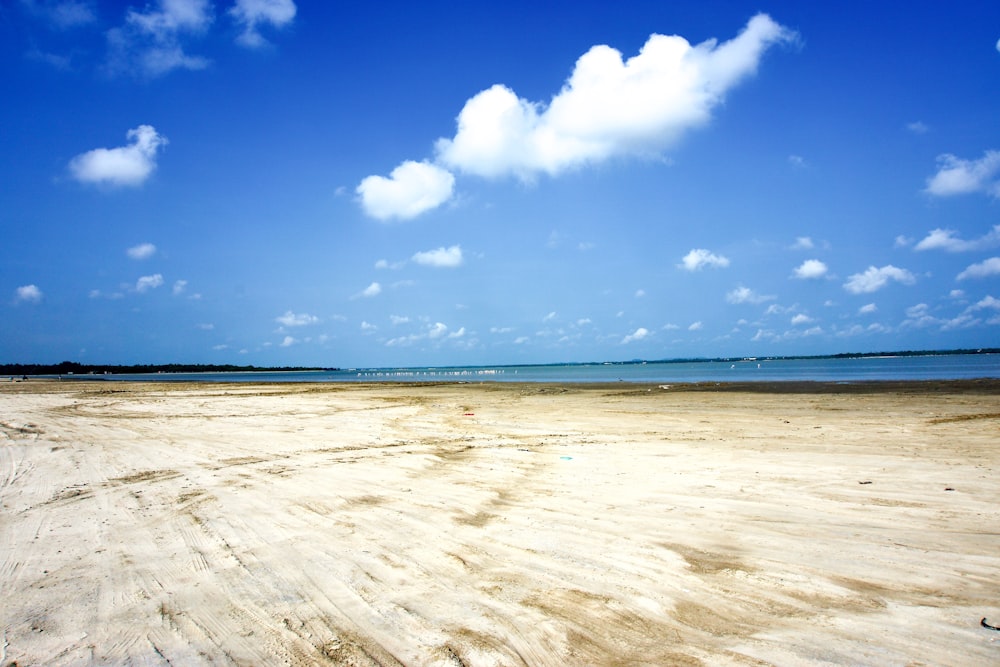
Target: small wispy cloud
{"points": [[290, 319], [27, 294], [150, 43], [372, 290], [917, 127], [125, 165], [803, 243], [947, 239], [250, 15], [639, 334], [746, 295], [874, 279], [64, 15], [867, 309], [984, 269], [700, 258], [141, 251], [146, 283], [440, 257]]}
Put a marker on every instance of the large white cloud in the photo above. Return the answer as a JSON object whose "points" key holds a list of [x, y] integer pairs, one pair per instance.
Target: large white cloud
{"points": [[874, 279], [699, 258], [946, 239], [441, 257], [608, 106], [251, 14], [984, 269], [956, 176], [124, 165], [411, 189]]}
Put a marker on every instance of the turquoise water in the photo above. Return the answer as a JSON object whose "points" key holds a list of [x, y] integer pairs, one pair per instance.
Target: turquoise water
{"points": [[931, 367]]}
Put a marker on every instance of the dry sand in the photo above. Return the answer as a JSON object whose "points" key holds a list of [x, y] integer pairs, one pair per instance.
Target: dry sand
{"points": [[498, 524]]}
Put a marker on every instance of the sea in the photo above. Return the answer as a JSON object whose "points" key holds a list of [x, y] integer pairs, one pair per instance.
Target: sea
{"points": [[837, 369]]}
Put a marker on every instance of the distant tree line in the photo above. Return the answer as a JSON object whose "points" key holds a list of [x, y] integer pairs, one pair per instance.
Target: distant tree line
{"points": [[74, 368]]}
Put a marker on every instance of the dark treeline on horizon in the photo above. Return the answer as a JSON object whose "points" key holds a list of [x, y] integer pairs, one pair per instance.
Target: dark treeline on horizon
{"points": [[75, 368]]}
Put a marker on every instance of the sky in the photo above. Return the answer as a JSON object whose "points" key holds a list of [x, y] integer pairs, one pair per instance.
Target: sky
{"points": [[281, 183]]}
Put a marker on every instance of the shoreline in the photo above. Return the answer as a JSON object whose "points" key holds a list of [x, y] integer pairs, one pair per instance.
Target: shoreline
{"points": [[499, 523], [984, 385]]}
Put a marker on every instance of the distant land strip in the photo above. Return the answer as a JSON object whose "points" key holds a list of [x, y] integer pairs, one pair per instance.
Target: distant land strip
{"points": [[75, 368]]}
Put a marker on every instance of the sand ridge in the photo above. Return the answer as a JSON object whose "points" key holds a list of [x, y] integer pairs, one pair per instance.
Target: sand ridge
{"points": [[498, 524]]}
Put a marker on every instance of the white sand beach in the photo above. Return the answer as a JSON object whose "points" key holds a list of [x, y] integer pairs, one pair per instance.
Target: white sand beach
{"points": [[498, 524]]}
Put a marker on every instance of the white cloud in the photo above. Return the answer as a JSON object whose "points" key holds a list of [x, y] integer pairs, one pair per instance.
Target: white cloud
{"points": [[903, 241], [146, 283], [986, 302], [984, 269], [28, 294], [179, 287], [141, 251], [803, 243], [250, 14], [746, 295], [411, 189], [867, 309], [372, 290], [149, 43], [125, 165], [917, 127], [810, 269], [956, 176], [441, 257], [608, 106], [945, 239], [801, 319], [695, 326], [398, 319], [874, 279], [638, 334], [551, 316], [699, 258], [639, 293], [288, 341], [290, 319], [797, 161]]}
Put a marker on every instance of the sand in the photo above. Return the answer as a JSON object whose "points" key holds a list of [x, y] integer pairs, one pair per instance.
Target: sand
{"points": [[499, 524]]}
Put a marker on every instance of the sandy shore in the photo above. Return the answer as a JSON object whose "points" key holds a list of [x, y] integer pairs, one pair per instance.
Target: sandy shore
{"points": [[499, 524]]}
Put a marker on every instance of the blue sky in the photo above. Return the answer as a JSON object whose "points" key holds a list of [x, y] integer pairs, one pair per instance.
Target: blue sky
{"points": [[382, 184]]}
